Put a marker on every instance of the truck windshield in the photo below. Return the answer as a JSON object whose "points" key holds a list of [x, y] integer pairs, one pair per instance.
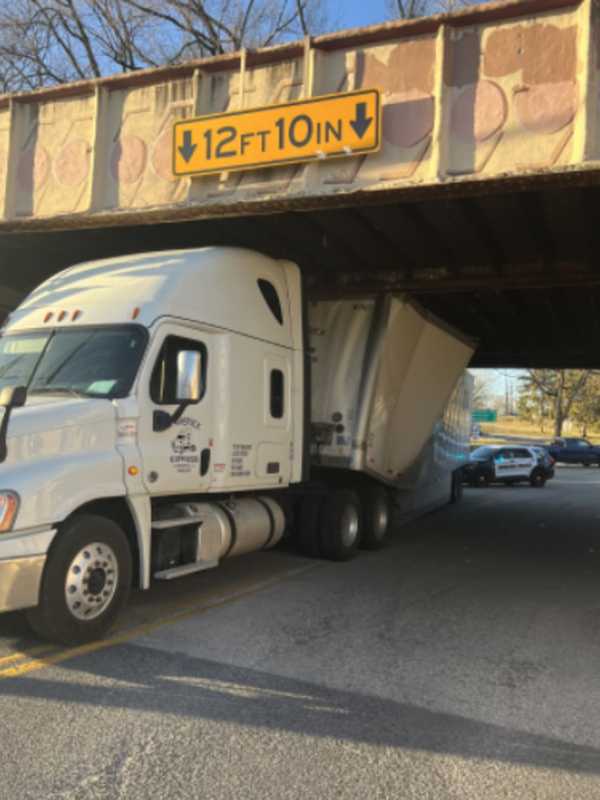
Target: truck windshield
{"points": [[92, 362]]}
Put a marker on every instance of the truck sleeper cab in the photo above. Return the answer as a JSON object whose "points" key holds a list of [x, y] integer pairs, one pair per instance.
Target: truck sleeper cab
{"points": [[156, 422]]}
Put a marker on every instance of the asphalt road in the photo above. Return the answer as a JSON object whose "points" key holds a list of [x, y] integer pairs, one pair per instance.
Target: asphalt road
{"points": [[461, 662]]}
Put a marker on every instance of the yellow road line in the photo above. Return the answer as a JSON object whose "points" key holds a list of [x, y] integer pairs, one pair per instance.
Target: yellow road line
{"points": [[20, 655], [131, 633]]}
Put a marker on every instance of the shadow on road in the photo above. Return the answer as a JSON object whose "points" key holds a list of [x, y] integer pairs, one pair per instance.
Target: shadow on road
{"points": [[177, 684]]}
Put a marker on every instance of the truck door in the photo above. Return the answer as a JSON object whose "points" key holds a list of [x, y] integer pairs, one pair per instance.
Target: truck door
{"points": [[273, 454], [584, 452], [569, 454], [176, 457]]}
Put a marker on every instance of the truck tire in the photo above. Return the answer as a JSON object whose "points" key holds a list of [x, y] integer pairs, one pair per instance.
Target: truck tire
{"points": [[340, 525], [86, 581], [376, 515], [307, 525]]}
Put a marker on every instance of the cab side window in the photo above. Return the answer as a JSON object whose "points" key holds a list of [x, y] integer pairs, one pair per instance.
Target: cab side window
{"points": [[163, 383]]}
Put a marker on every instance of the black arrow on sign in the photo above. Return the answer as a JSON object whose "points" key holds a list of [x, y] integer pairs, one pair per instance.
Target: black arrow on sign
{"points": [[361, 122], [187, 149]]}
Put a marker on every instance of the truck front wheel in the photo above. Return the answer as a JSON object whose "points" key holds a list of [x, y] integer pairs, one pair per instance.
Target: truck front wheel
{"points": [[85, 583], [340, 525]]}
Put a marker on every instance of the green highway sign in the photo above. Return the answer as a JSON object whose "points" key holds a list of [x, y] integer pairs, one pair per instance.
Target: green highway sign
{"points": [[485, 415]]}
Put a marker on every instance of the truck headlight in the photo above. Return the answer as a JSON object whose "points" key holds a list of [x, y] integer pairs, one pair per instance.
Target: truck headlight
{"points": [[9, 505]]}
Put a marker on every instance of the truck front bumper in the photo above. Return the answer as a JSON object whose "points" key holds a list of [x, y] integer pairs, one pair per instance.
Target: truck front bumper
{"points": [[20, 582], [22, 560]]}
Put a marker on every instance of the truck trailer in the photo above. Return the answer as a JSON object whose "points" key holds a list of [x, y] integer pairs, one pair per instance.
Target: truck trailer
{"points": [[165, 411]]}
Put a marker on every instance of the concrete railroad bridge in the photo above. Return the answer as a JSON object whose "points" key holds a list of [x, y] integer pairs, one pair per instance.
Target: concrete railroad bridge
{"points": [[483, 202]]}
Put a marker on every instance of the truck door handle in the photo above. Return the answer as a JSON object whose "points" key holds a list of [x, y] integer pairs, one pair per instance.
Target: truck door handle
{"points": [[204, 461]]}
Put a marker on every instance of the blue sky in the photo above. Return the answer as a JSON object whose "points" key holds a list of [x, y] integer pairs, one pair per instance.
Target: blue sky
{"points": [[352, 13]]}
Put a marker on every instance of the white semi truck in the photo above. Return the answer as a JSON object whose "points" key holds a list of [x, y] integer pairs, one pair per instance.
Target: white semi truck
{"points": [[167, 410]]}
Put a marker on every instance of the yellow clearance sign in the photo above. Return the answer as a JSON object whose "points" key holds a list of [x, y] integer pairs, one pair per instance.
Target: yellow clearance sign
{"points": [[305, 130]]}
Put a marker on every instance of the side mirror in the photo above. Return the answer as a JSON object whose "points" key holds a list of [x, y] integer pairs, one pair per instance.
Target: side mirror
{"points": [[189, 376], [10, 397], [13, 396]]}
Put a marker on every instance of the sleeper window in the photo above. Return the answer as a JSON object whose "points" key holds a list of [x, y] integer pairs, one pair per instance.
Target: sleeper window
{"points": [[269, 293], [277, 394]]}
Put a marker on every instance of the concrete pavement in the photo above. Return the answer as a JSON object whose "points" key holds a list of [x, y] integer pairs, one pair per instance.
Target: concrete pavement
{"points": [[461, 662]]}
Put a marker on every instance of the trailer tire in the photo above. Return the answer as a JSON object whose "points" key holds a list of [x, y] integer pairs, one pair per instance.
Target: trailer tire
{"points": [[307, 525], [376, 514], [340, 525], [70, 612]]}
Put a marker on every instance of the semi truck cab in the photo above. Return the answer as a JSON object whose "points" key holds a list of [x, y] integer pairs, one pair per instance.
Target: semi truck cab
{"points": [[156, 420]]}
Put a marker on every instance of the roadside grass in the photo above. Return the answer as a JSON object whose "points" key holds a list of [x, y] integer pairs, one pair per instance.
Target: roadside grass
{"points": [[496, 432]]}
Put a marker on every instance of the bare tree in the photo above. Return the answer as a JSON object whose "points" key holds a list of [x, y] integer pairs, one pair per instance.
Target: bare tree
{"points": [[562, 387], [45, 42], [53, 41], [408, 9], [210, 27], [482, 390]]}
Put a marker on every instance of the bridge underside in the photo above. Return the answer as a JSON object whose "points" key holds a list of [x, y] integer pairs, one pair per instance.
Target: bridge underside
{"points": [[518, 270]]}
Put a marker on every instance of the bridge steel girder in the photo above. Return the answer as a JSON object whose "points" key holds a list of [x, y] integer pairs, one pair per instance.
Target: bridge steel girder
{"points": [[483, 197]]}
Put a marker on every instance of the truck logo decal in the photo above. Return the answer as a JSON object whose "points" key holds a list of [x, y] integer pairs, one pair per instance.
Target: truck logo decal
{"points": [[185, 452], [182, 443], [189, 421]]}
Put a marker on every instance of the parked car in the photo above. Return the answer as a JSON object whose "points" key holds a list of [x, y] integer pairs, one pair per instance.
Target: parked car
{"points": [[508, 464], [571, 450]]}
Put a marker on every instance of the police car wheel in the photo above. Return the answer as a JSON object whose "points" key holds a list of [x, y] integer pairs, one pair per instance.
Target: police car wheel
{"points": [[482, 480], [537, 480]]}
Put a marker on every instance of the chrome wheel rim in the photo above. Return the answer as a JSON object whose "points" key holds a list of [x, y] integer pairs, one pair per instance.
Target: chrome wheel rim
{"points": [[349, 526], [91, 581]]}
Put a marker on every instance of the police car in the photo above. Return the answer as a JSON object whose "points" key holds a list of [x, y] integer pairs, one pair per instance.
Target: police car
{"points": [[508, 464]]}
